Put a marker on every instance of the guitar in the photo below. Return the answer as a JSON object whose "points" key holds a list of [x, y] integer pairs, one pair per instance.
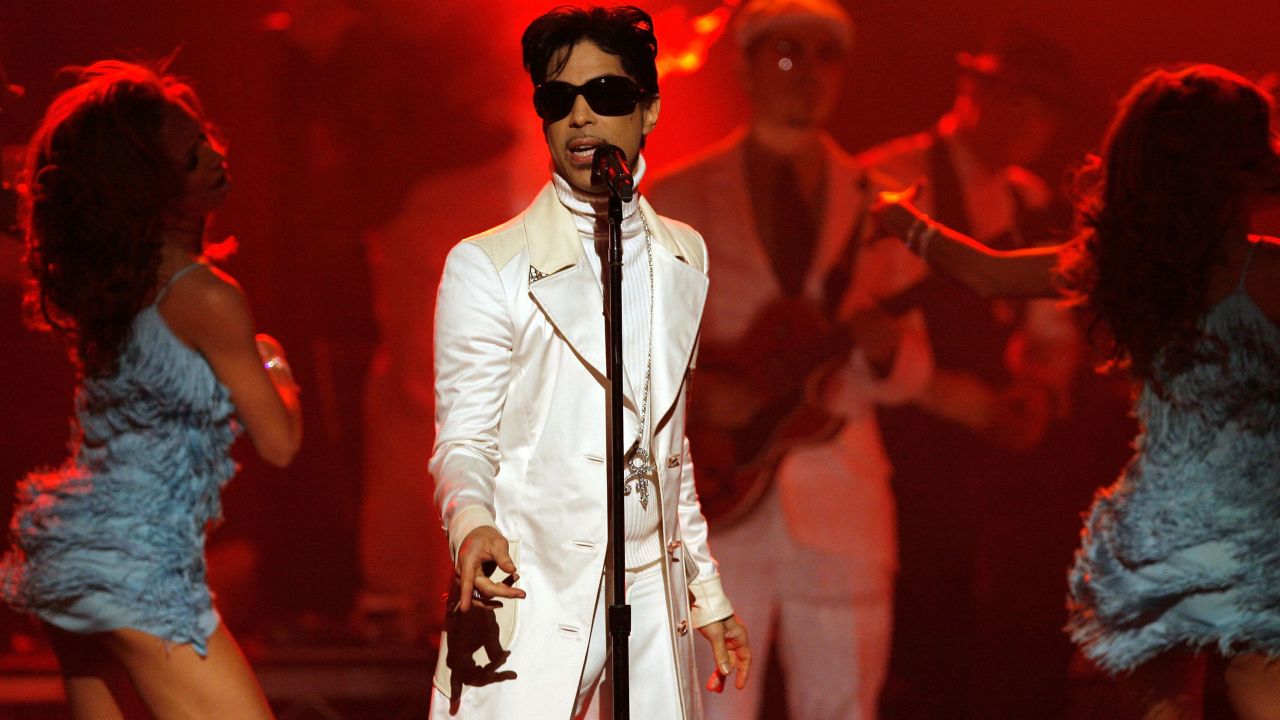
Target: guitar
{"points": [[755, 401], [752, 404]]}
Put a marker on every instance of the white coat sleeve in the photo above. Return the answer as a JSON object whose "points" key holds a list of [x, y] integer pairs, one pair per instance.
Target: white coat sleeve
{"points": [[473, 346], [708, 603]]}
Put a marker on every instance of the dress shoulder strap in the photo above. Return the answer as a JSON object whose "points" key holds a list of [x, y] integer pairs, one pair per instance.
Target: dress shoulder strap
{"points": [[1244, 273], [164, 289]]}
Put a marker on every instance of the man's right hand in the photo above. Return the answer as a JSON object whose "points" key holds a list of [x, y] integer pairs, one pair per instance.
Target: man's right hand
{"points": [[484, 545]]}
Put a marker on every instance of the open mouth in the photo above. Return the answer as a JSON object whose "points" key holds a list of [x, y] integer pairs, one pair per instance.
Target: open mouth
{"points": [[223, 181], [583, 150]]}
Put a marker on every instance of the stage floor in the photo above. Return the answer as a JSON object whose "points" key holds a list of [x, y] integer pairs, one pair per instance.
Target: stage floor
{"points": [[329, 682]]}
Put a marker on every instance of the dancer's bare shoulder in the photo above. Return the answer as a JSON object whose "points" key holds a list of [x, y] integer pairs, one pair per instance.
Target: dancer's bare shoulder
{"points": [[204, 306]]}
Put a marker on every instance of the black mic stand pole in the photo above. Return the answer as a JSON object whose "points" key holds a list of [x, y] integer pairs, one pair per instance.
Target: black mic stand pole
{"points": [[619, 613]]}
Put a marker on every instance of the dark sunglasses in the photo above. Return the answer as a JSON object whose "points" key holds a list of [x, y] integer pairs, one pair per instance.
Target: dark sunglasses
{"points": [[607, 95]]}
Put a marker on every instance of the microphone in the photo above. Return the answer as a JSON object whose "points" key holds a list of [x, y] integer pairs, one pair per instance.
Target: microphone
{"points": [[609, 166]]}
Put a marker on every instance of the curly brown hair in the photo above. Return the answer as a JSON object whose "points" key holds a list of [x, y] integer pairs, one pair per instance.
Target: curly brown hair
{"points": [[100, 192], [1155, 208]]}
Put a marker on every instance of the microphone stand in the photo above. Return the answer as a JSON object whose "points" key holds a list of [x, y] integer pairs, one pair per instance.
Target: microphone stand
{"points": [[619, 612]]}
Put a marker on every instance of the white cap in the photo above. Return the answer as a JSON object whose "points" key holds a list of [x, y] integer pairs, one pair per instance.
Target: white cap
{"points": [[760, 16]]}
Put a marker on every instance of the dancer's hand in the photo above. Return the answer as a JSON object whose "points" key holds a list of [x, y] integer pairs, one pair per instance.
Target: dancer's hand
{"points": [[484, 546], [268, 347], [894, 212], [273, 359], [729, 644]]}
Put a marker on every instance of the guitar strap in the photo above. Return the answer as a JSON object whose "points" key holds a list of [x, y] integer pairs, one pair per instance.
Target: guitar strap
{"points": [[840, 278]]}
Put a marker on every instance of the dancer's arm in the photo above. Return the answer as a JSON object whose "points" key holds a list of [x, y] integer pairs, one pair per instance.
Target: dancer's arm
{"points": [[209, 311], [988, 272]]}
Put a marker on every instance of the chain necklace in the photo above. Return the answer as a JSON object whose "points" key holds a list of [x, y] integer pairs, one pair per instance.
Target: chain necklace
{"points": [[639, 461]]}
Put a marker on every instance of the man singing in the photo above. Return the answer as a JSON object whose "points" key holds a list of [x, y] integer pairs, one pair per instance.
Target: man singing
{"points": [[520, 405]]}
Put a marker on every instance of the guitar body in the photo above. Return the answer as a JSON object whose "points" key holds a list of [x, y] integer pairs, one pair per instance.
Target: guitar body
{"points": [[762, 397], [755, 402], [735, 469]]}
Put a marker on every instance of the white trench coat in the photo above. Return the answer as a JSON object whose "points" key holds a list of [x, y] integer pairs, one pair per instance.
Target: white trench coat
{"points": [[520, 444]]}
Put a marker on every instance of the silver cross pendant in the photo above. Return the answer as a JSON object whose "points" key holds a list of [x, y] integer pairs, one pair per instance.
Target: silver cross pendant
{"points": [[639, 467]]}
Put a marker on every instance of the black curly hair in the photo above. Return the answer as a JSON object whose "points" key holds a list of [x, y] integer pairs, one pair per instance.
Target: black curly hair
{"points": [[1155, 207], [622, 30], [100, 192]]}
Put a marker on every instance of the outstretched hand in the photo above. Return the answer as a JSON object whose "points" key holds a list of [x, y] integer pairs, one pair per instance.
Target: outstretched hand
{"points": [[484, 546], [894, 212], [729, 644]]}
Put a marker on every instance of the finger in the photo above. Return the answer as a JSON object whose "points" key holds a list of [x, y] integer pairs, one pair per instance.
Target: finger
{"points": [[887, 198], [744, 667], [499, 551], [724, 662], [715, 683], [466, 582], [740, 647], [489, 588]]}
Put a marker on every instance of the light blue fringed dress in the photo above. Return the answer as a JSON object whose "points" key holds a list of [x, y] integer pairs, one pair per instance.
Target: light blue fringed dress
{"points": [[1184, 549], [116, 537]]}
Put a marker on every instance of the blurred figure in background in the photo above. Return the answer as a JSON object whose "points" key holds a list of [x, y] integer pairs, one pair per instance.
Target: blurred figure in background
{"points": [[324, 115], [367, 176], [109, 550], [1004, 370], [354, 135], [807, 544], [404, 559], [33, 366], [34, 371]]}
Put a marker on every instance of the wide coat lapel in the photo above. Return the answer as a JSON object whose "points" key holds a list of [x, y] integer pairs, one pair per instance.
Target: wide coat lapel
{"points": [[679, 294], [844, 203], [563, 285]]}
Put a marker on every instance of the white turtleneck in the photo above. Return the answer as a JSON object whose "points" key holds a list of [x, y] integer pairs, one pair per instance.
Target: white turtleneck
{"points": [[589, 211]]}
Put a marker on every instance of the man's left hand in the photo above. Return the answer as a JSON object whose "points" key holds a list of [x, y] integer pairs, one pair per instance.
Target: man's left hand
{"points": [[729, 644]]}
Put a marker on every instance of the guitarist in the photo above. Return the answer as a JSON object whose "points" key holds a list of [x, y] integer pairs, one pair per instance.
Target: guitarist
{"points": [[781, 207], [970, 455]]}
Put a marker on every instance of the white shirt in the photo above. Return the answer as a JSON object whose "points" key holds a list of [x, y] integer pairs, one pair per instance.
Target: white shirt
{"points": [[644, 544]]}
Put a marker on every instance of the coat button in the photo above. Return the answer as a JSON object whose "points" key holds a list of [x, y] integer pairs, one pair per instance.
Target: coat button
{"points": [[683, 628], [672, 547], [673, 461]]}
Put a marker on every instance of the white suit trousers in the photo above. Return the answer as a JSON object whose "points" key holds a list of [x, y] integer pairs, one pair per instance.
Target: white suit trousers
{"points": [[833, 621], [654, 693]]}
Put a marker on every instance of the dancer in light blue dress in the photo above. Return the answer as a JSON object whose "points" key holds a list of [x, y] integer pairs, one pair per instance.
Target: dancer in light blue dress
{"points": [[108, 550], [1184, 550], [1181, 556]]}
